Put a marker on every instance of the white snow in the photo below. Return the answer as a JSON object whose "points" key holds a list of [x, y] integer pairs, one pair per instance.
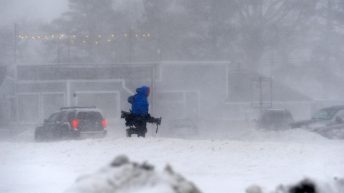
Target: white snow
{"points": [[227, 163]]}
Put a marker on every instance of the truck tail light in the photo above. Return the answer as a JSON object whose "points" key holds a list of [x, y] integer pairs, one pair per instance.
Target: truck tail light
{"points": [[75, 124], [104, 123]]}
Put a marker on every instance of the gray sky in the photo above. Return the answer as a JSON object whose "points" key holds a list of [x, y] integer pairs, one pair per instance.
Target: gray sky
{"points": [[43, 10]]}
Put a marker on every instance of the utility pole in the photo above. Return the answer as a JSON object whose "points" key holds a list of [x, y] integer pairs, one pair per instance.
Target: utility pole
{"points": [[260, 85], [58, 52], [15, 75], [68, 51], [329, 31], [15, 43], [152, 88], [261, 82], [158, 51], [130, 45]]}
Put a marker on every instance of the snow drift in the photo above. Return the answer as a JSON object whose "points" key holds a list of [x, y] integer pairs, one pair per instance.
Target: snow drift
{"points": [[336, 185], [122, 175]]}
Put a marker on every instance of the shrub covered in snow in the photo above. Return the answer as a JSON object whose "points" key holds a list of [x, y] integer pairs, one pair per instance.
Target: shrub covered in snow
{"points": [[123, 175]]}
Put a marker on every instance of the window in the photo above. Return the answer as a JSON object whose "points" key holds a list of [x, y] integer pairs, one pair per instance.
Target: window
{"points": [[53, 117], [71, 116], [62, 116], [90, 115]]}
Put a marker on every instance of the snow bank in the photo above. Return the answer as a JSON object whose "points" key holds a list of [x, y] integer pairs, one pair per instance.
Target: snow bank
{"points": [[131, 177], [305, 186]]}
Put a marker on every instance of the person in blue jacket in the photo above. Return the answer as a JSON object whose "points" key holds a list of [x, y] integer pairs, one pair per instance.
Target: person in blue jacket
{"points": [[139, 115], [139, 102]]}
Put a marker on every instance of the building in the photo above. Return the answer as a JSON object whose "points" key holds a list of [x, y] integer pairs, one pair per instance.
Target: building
{"points": [[180, 90]]}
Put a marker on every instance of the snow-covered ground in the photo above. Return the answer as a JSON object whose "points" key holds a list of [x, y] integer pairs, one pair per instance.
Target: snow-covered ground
{"points": [[218, 163]]}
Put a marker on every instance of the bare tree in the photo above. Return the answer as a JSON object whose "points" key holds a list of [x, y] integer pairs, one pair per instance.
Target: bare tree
{"points": [[268, 24]]}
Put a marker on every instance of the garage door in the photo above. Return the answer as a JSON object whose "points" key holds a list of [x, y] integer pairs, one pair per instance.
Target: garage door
{"points": [[109, 103], [52, 103], [28, 108]]}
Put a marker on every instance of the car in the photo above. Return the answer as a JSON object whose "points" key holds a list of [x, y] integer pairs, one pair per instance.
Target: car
{"points": [[324, 117], [274, 119], [328, 122], [72, 123]]}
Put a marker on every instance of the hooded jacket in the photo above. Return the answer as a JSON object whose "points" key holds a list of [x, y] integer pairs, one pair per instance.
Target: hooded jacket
{"points": [[139, 101]]}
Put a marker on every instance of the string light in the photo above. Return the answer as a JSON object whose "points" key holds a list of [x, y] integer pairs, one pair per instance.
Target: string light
{"points": [[73, 38]]}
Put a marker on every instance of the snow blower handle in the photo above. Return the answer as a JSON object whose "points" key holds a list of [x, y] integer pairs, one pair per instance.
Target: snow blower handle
{"points": [[158, 122], [153, 120]]}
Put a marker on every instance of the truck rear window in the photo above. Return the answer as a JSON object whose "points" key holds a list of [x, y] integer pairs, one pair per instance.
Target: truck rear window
{"points": [[90, 115]]}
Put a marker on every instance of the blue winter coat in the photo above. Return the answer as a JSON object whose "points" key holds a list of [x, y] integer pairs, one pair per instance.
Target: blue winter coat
{"points": [[139, 101]]}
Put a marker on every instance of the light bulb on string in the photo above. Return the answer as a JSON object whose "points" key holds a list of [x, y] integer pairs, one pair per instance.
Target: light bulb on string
{"points": [[110, 37]]}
